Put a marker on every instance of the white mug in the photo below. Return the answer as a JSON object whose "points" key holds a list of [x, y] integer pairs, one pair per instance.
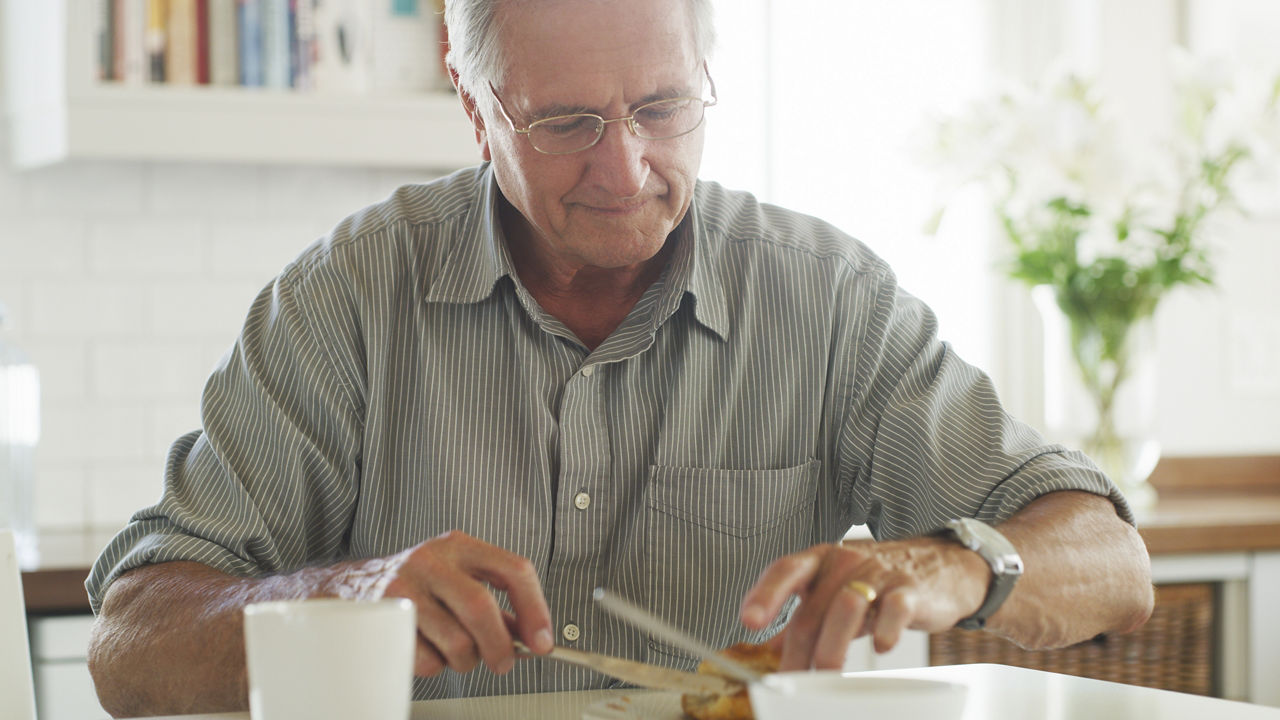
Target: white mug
{"points": [[328, 659]]}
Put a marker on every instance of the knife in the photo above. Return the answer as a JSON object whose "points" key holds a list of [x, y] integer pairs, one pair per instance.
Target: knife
{"points": [[638, 673], [645, 620]]}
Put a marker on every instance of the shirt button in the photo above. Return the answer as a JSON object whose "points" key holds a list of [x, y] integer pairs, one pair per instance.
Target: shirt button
{"points": [[582, 501], [588, 370], [570, 632]]}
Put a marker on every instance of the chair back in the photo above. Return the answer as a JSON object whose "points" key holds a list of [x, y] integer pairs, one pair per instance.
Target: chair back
{"points": [[17, 694]]}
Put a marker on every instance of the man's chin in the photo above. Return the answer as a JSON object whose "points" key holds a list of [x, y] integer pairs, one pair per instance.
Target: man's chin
{"points": [[616, 253]]}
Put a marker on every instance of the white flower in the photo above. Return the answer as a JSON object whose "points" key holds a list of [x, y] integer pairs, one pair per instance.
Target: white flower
{"points": [[1097, 241], [1037, 148], [1197, 83]]}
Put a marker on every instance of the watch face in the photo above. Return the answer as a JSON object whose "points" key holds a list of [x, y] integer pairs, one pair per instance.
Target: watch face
{"points": [[994, 547], [991, 537]]}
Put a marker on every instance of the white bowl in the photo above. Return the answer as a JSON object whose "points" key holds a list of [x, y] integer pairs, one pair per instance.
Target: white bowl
{"points": [[827, 695]]}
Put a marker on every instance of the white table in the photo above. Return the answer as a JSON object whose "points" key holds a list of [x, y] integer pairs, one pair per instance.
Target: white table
{"points": [[996, 692]]}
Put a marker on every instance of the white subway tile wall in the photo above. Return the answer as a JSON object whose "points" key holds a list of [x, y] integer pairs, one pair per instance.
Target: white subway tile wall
{"points": [[126, 282]]}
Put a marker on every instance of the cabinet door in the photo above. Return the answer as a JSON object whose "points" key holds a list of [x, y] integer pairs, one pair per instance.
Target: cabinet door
{"points": [[64, 689]]}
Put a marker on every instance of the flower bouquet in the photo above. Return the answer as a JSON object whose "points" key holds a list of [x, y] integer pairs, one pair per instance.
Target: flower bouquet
{"points": [[1104, 225]]}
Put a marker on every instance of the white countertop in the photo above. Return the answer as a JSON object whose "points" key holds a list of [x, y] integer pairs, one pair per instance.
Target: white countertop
{"points": [[996, 692]]}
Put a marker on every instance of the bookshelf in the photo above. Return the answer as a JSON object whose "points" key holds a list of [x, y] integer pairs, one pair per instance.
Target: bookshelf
{"points": [[58, 111]]}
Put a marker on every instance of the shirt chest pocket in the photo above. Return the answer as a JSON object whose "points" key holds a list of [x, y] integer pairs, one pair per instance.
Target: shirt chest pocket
{"points": [[711, 533]]}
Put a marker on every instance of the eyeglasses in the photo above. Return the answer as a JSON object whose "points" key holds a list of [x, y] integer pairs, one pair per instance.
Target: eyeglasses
{"points": [[660, 120]]}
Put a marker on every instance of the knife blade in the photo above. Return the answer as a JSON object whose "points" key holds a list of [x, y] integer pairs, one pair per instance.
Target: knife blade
{"points": [[638, 673], [644, 620]]}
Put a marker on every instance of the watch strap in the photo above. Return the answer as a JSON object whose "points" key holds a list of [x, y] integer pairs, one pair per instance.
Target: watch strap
{"points": [[997, 592], [1000, 556]]}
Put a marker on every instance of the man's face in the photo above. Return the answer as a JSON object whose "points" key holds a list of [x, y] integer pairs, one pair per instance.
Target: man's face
{"points": [[611, 205]]}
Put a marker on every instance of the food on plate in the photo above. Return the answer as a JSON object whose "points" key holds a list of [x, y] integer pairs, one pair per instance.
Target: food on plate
{"points": [[735, 706]]}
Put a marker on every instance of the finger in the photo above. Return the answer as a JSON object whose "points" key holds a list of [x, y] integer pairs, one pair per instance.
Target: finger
{"points": [[776, 642], [478, 613], [846, 616], [441, 629], [448, 617], [894, 611], [805, 628], [461, 563], [785, 577], [426, 661], [517, 577], [828, 618]]}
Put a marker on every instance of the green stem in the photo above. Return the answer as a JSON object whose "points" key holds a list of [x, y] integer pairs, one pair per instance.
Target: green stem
{"points": [[1093, 353]]}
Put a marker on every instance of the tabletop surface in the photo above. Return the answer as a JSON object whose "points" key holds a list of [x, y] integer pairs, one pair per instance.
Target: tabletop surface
{"points": [[996, 692]]}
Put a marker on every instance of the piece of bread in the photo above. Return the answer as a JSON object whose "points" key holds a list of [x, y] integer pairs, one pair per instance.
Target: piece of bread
{"points": [[735, 706]]}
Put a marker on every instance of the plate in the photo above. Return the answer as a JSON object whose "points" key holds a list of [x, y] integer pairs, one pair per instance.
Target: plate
{"points": [[639, 705]]}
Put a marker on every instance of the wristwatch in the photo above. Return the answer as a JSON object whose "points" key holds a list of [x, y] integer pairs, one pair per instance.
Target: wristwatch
{"points": [[1006, 565]]}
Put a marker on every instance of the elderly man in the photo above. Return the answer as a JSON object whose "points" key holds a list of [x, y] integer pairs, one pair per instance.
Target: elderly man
{"points": [[577, 366]]}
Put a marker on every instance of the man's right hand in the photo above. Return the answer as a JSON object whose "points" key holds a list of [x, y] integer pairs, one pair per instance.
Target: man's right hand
{"points": [[169, 639], [450, 578]]}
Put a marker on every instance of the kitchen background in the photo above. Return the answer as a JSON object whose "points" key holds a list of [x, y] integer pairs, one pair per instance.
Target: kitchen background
{"points": [[126, 280]]}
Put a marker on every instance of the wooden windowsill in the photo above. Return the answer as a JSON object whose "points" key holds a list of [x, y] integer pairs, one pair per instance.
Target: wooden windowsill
{"points": [[1225, 473]]}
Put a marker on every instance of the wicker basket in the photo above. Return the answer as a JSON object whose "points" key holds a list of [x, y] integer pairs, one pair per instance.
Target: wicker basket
{"points": [[1173, 651]]}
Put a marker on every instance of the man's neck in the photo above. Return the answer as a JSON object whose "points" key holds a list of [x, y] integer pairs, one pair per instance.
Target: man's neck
{"points": [[591, 301]]}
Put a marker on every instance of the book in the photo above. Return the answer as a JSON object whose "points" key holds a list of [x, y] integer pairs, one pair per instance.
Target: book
{"points": [[129, 48], [157, 40], [405, 54], [224, 61], [277, 54], [180, 53], [304, 44], [104, 25], [202, 42], [343, 46], [249, 42]]}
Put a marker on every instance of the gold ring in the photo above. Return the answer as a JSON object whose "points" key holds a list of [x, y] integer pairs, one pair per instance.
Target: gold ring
{"points": [[863, 589]]}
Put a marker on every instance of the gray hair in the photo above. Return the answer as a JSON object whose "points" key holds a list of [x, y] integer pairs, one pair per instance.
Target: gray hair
{"points": [[476, 52]]}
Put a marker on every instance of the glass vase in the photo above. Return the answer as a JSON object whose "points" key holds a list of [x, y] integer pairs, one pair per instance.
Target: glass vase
{"points": [[1100, 397]]}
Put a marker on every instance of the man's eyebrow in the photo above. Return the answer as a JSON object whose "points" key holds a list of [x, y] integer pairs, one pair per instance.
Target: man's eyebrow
{"points": [[549, 111], [558, 109]]}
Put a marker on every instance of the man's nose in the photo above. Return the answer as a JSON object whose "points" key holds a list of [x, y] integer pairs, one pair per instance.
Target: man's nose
{"points": [[620, 157]]}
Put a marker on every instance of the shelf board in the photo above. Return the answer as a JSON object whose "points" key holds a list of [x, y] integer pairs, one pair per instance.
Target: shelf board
{"points": [[204, 124], [58, 111]]}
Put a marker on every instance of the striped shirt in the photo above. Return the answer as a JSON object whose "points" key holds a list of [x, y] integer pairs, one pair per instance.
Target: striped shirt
{"points": [[772, 389]]}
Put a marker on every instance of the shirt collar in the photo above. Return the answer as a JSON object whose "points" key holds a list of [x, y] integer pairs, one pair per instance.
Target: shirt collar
{"points": [[710, 306], [479, 259]]}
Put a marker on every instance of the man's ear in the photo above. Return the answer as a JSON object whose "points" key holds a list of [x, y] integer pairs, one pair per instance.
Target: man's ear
{"points": [[473, 114]]}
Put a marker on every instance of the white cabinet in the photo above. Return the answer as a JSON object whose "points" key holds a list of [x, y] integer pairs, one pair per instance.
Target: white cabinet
{"points": [[58, 111], [1248, 653], [64, 690]]}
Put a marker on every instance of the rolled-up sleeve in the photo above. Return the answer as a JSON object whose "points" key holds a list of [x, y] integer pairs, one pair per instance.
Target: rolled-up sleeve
{"points": [[926, 438], [270, 481]]}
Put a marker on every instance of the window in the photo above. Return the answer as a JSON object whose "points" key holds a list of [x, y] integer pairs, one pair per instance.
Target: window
{"points": [[820, 103]]}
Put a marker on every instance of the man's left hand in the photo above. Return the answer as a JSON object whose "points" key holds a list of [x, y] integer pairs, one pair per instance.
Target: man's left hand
{"points": [[1086, 572], [924, 583]]}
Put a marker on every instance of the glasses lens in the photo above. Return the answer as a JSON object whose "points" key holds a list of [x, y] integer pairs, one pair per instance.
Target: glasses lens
{"points": [[565, 134], [668, 118], [655, 121]]}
